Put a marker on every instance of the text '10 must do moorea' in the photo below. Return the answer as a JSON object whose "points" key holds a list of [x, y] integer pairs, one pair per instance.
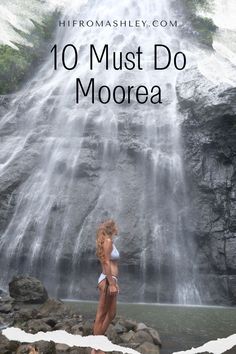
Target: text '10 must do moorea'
{"points": [[68, 58]]}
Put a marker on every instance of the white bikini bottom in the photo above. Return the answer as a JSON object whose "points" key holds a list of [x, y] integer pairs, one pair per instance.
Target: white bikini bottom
{"points": [[103, 276]]}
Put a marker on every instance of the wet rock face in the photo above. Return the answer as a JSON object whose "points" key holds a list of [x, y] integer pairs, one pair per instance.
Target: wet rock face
{"points": [[209, 147]]}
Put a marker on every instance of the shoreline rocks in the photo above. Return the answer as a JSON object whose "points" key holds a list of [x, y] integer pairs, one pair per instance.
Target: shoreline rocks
{"points": [[52, 314]]}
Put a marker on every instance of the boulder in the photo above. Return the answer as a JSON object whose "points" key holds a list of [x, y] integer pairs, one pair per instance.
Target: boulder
{"points": [[119, 327], [1, 322], [27, 349], [51, 321], [127, 337], [23, 315], [155, 335], [88, 327], [53, 306], [77, 329], [45, 347], [6, 346], [142, 336], [141, 326], [35, 326], [6, 304], [75, 350], [112, 335], [62, 348], [130, 324], [27, 289], [63, 326], [148, 348]]}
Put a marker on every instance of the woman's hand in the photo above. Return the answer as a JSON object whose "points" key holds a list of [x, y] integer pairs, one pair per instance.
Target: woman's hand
{"points": [[102, 285], [113, 289]]}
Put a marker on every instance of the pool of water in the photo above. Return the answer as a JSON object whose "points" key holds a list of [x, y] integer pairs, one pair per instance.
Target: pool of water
{"points": [[180, 327]]}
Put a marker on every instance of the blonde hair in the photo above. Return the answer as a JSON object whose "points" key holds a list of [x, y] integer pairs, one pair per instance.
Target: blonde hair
{"points": [[105, 230]]}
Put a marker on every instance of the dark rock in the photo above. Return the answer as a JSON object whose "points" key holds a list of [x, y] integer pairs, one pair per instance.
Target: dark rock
{"points": [[25, 314], [155, 335], [27, 349], [141, 326], [63, 326], [50, 321], [34, 326], [88, 327], [6, 304], [77, 329], [53, 306], [6, 320], [75, 350], [130, 324], [112, 335], [45, 347], [62, 348], [6, 346], [232, 285], [127, 337], [148, 348], [16, 308], [1, 322], [142, 336], [120, 327], [27, 289]]}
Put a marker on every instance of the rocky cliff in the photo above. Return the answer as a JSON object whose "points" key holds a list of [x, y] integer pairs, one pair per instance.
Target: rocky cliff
{"points": [[209, 145]]}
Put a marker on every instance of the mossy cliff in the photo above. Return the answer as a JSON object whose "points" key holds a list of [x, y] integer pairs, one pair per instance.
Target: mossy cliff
{"points": [[17, 65], [196, 19]]}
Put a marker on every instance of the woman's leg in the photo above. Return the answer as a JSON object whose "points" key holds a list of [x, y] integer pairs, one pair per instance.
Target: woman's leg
{"points": [[110, 313], [106, 312], [102, 308], [101, 313]]}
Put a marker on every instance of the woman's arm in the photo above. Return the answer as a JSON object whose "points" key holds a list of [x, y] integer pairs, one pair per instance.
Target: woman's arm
{"points": [[107, 266]]}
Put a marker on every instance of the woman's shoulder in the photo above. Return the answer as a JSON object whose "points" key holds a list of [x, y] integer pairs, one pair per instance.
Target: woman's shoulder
{"points": [[108, 242]]}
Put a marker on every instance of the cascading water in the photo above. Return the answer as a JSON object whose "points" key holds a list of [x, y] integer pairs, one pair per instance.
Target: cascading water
{"points": [[79, 164]]}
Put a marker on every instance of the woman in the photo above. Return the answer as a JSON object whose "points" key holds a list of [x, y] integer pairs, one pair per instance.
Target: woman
{"points": [[108, 281]]}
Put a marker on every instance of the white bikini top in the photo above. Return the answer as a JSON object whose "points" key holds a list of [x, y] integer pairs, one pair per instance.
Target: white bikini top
{"points": [[115, 255]]}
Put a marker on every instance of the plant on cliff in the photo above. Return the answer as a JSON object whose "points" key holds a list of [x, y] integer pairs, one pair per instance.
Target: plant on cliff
{"points": [[16, 65], [202, 25]]}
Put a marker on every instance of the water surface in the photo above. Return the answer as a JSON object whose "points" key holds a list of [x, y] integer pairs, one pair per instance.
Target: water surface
{"points": [[180, 327]]}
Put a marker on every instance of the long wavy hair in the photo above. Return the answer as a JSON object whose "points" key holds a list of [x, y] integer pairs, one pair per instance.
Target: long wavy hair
{"points": [[105, 230]]}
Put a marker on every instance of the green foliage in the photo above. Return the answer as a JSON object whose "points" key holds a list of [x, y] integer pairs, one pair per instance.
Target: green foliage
{"points": [[195, 5], [204, 26], [16, 65]]}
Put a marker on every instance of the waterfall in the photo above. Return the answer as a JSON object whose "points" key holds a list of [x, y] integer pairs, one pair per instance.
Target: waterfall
{"points": [[219, 65], [73, 165]]}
